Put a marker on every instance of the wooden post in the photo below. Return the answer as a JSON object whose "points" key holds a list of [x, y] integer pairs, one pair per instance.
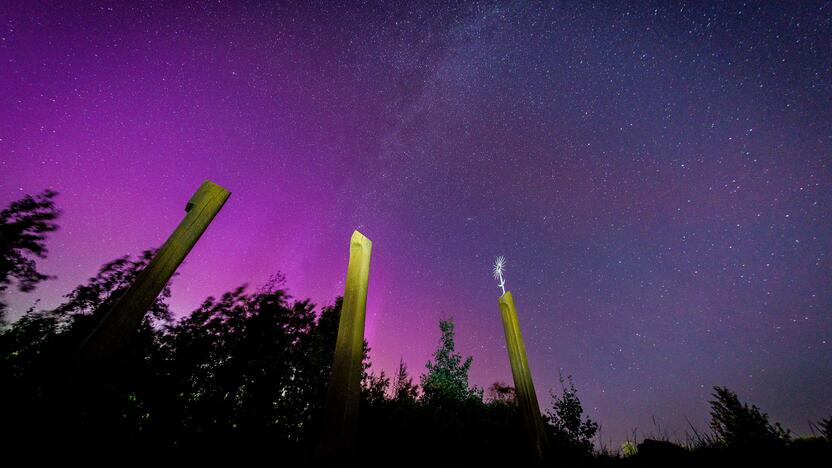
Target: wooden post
{"points": [[337, 445], [123, 319], [524, 387]]}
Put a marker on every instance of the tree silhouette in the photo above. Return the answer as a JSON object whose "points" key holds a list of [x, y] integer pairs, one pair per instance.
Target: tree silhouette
{"points": [[404, 390], [738, 424], [447, 375], [374, 388], [24, 226], [566, 418], [251, 365]]}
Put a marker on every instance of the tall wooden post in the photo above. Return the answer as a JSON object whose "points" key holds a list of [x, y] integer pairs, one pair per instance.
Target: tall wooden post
{"points": [[524, 387], [123, 319], [337, 445]]}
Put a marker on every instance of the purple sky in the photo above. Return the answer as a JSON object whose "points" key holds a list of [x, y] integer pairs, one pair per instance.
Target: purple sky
{"points": [[658, 178]]}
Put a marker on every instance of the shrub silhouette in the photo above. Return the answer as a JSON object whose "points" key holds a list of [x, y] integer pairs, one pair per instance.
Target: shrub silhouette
{"points": [[739, 425], [566, 418]]}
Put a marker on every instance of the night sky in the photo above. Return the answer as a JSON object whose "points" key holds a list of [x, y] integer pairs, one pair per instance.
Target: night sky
{"points": [[657, 177]]}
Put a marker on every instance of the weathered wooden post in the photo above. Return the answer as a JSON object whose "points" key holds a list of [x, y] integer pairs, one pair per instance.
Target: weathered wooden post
{"points": [[123, 319], [527, 404], [337, 445]]}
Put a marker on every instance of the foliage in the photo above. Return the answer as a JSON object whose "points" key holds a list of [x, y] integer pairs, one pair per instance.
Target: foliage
{"points": [[24, 226], [446, 379], [404, 390], [252, 364], [738, 424], [374, 388], [247, 364], [566, 417]]}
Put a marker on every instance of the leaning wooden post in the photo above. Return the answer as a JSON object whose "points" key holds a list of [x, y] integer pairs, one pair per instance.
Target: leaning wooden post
{"points": [[526, 397], [524, 387], [124, 317], [337, 445]]}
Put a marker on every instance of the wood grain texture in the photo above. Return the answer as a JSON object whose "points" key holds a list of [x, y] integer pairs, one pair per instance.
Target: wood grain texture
{"points": [[524, 386], [337, 445], [123, 319]]}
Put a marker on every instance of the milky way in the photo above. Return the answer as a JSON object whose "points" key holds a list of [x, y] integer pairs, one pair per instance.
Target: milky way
{"points": [[657, 177]]}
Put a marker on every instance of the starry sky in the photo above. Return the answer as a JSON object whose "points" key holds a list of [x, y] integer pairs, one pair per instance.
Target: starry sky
{"points": [[656, 174]]}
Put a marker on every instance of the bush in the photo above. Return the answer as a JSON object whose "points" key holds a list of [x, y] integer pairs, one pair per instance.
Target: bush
{"points": [[737, 424], [566, 417]]}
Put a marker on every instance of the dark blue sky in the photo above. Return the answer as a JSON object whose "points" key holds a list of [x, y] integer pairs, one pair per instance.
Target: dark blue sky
{"points": [[657, 176]]}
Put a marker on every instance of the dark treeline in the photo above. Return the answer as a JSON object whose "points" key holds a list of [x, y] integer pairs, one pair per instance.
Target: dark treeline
{"points": [[245, 375]]}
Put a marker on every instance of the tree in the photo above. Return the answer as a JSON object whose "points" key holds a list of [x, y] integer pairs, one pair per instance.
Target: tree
{"points": [[446, 379], [566, 417], [738, 424], [24, 226], [374, 388], [238, 364], [404, 390]]}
